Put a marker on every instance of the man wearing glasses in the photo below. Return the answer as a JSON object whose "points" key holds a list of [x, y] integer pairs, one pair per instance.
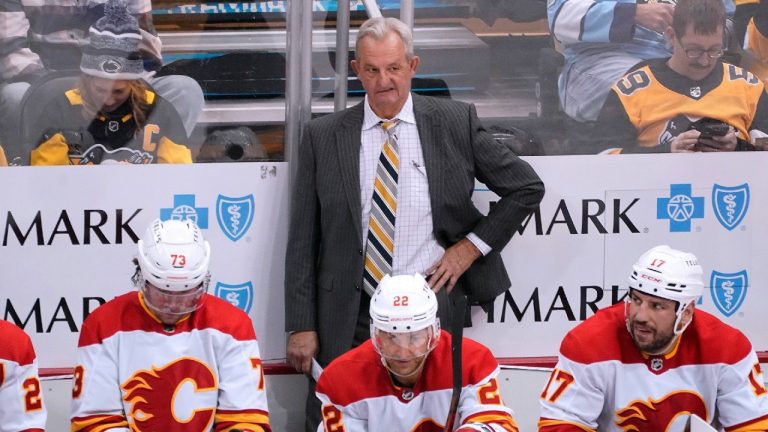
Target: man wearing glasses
{"points": [[691, 101]]}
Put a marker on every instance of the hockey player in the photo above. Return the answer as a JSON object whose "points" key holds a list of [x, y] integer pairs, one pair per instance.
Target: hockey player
{"points": [[647, 364], [657, 105], [169, 357], [400, 379], [21, 398]]}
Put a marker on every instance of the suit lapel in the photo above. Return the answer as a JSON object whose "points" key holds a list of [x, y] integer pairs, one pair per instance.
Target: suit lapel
{"points": [[348, 151], [431, 137]]}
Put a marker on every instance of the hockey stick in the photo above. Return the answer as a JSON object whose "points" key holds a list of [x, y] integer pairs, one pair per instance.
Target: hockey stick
{"points": [[457, 331]]}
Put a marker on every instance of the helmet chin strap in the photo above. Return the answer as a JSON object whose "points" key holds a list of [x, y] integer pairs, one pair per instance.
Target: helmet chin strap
{"points": [[679, 320]]}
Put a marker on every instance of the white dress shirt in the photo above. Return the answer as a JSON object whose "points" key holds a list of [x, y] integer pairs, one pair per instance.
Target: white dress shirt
{"points": [[416, 249]]}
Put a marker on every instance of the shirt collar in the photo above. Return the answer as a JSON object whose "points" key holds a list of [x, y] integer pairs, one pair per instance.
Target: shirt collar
{"points": [[370, 119]]}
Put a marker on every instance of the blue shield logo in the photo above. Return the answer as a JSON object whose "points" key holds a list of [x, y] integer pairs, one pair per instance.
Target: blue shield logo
{"points": [[234, 215], [730, 204], [728, 290], [240, 296]]}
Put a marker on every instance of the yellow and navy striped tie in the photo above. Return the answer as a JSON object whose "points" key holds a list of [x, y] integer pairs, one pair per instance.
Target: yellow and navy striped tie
{"points": [[380, 244]]}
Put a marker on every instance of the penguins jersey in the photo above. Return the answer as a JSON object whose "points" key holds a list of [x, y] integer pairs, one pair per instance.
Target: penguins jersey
{"points": [[3, 160], [21, 399], [603, 382], [133, 373], [652, 104], [111, 138], [358, 395]]}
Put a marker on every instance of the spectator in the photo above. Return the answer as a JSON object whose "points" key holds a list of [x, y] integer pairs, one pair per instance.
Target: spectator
{"points": [[400, 379], [177, 358], [659, 104], [602, 40], [47, 35], [431, 227], [645, 364], [112, 116], [21, 396]]}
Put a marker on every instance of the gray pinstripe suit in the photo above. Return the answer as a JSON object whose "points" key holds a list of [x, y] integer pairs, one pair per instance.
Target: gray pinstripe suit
{"points": [[324, 261]]}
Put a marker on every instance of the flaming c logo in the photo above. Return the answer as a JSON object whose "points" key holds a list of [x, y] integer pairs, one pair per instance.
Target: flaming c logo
{"points": [[658, 415], [152, 395]]}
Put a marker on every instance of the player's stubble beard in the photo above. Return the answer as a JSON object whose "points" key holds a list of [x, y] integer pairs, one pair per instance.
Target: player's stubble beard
{"points": [[659, 342]]}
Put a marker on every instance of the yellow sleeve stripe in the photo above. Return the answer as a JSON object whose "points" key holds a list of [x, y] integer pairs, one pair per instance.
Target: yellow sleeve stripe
{"points": [[545, 423], [98, 423], [243, 418]]}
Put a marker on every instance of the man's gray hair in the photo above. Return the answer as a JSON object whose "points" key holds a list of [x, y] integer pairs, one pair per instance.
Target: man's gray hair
{"points": [[379, 27]]}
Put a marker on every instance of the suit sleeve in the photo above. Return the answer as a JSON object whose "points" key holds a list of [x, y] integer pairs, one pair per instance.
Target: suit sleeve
{"points": [[242, 394], [21, 396], [303, 244], [511, 178], [573, 397], [96, 394], [572, 21]]}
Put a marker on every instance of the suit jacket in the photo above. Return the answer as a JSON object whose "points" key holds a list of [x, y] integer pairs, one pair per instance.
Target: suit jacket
{"points": [[324, 261]]}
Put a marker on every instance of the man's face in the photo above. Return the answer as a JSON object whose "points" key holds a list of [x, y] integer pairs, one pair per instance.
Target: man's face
{"points": [[171, 306], [693, 53], [107, 94], [651, 322], [385, 73], [404, 352]]}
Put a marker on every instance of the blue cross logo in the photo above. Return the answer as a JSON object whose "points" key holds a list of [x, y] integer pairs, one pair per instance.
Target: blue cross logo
{"points": [[183, 209], [680, 208]]}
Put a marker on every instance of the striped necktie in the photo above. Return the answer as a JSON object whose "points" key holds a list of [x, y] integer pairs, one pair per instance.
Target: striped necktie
{"points": [[380, 244]]}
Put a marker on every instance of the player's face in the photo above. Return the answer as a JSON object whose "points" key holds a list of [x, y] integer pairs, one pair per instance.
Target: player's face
{"points": [[385, 73], [107, 94], [651, 322], [693, 52], [404, 352], [172, 306]]}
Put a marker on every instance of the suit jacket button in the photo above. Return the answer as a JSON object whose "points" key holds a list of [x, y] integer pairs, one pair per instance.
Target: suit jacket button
{"points": [[360, 251], [357, 287]]}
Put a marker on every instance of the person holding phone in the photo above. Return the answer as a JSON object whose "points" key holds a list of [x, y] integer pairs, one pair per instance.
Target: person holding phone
{"points": [[691, 101]]}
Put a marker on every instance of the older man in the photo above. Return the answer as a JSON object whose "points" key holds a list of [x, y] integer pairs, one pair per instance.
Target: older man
{"points": [[385, 187]]}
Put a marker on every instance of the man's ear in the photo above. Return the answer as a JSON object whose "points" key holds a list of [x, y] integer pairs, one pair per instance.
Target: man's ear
{"points": [[688, 313], [355, 67], [414, 63]]}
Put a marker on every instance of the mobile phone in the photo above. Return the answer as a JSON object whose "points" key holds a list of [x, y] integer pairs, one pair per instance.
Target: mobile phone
{"points": [[710, 127]]}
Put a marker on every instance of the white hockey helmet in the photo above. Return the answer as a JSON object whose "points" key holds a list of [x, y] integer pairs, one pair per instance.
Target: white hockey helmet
{"points": [[173, 256], [670, 274], [403, 304]]}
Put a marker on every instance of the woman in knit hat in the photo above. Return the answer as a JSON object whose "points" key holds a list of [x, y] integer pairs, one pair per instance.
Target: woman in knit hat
{"points": [[112, 115]]}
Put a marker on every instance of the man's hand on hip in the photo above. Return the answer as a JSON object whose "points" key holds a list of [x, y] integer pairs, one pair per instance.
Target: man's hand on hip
{"points": [[455, 261], [301, 348]]}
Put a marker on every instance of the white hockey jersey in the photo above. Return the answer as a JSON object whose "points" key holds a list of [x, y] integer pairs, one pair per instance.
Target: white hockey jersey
{"points": [[603, 382], [21, 399], [205, 374], [357, 393]]}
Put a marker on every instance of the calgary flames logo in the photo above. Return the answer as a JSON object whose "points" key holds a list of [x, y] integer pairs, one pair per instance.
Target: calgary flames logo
{"points": [[659, 415], [153, 395]]}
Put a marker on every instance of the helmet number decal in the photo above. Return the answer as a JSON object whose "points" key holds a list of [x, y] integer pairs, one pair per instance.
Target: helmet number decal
{"points": [[657, 262], [400, 301], [178, 260]]}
